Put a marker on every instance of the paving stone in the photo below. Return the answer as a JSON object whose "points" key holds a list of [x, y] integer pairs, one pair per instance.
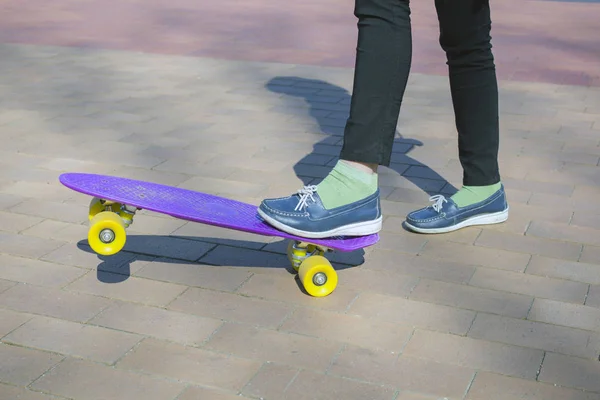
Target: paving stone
{"points": [[530, 285], [412, 374], [413, 313], [192, 365], [593, 299], [571, 372], [266, 345], [470, 298], [590, 254], [230, 307], [86, 380], [158, 323], [132, 289], [536, 335], [15, 223], [488, 385], [352, 329], [482, 355], [194, 392], [476, 255], [27, 246], [10, 320], [20, 393], [565, 314], [563, 269], [35, 272], [419, 266], [21, 366], [74, 213], [190, 274], [529, 244], [74, 339], [52, 302]]}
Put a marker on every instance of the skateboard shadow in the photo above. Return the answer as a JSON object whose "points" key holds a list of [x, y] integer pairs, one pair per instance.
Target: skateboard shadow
{"points": [[329, 106], [176, 249]]}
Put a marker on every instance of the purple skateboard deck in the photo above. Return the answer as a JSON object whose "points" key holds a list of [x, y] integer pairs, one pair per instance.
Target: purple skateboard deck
{"points": [[195, 206]]}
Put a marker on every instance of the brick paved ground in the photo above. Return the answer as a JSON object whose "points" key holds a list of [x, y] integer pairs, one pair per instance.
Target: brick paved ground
{"points": [[190, 312]]}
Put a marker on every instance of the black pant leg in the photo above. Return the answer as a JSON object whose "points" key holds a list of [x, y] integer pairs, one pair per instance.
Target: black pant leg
{"points": [[383, 60], [465, 27]]}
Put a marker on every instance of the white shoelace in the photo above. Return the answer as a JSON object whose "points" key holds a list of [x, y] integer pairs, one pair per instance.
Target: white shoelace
{"points": [[305, 194], [439, 201]]}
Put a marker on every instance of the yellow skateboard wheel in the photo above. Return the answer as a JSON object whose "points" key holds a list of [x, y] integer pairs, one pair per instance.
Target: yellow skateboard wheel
{"points": [[96, 207], [106, 235], [318, 277]]}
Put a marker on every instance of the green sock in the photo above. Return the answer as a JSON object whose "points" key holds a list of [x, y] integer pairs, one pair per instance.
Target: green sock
{"points": [[468, 195], [346, 184]]}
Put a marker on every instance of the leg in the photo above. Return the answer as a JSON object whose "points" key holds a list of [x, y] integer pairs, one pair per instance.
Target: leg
{"points": [[465, 37], [347, 201]]}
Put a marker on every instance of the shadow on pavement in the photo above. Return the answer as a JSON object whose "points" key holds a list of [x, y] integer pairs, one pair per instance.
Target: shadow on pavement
{"points": [[329, 105]]}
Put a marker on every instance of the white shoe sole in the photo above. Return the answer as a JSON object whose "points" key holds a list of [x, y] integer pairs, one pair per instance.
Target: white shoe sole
{"points": [[486, 219], [357, 229]]}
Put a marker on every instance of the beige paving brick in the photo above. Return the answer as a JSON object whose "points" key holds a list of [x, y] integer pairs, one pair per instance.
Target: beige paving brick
{"points": [[49, 192], [471, 298], [20, 393], [474, 255], [9, 200], [585, 220], [387, 282], [267, 345], [563, 269], [415, 396], [230, 307], [50, 229], [563, 189], [85, 380], [565, 314], [157, 322], [271, 381], [74, 339], [195, 393], [132, 289], [52, 302], [21, 366], [82, 256], [590, 254], [488, 386], [309, 385], [571, 372], [65, 212], [593, 299], [473, 353], [534, 335], [413, 313], [528, 244], [26, 246], [287, 289], [419, 266], [37, 272], [5, 285], [530, 285], [564, 232], [356, 330], [10, 320], [14, 223], [192, 365], [190, 274], [411, 374]]}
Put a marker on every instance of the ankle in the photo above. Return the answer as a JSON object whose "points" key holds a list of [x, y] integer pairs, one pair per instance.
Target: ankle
{"points": [[366, 167]]}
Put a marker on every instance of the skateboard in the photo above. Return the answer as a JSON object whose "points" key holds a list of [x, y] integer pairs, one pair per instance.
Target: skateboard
{"points": [[115, 201]]}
